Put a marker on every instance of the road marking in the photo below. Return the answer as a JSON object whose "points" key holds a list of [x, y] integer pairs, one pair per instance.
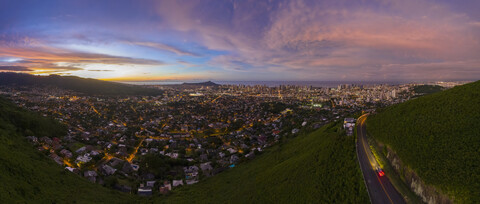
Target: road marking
{"points": [[363, 144]]}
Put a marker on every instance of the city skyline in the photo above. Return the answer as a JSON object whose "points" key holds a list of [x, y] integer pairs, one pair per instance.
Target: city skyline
{"points": [[243, 40]]}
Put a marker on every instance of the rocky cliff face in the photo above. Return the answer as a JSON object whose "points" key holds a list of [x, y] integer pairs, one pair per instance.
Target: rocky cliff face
{"points": [[429, 194]]}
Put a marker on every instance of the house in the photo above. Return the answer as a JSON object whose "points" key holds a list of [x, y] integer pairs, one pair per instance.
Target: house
{"points": [[167, 185], [234, 159], [83, 158], [231, 150], [221, 154], [144, 191], [349, 125], [115, 161], [349, 120], [81, 150], [151, 183], [191, 171], [177, 183], [90, 173], [57, 159], [127, 168], [94, 153], [207, 166], [295, 131], [70, 169], [91, 176], [66, 153], [46, 140], [250, 155], [172, 155], [108, 170]]}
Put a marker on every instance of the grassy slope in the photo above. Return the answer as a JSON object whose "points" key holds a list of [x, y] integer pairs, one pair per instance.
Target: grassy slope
{"points": [[438, 136], [320, 167], [29, 176]]}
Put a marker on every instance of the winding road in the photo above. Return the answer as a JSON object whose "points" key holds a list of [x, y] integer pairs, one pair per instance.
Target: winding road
{"points": [[379, 188]]}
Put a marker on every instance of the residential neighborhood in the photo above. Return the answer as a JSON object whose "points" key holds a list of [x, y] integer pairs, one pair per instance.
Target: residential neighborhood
{"points": [[153, 144]]}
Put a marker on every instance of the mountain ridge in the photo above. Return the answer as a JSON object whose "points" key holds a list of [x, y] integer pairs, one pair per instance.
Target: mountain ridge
{"points": [[73, 83]]}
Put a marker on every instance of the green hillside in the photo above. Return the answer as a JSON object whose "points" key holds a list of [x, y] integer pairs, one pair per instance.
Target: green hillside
{"points": [[427, 89], [81, 85], [438, 136], [320, 167], [29, 176]]}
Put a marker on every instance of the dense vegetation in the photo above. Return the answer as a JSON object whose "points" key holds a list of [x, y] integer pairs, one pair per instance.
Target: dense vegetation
{"points": [[29, 176], [320, 167], [427, 89], [438, 136], [82, 85]]}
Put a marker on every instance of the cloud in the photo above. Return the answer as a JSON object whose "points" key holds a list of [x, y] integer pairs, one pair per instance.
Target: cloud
{"points": [[51, 54], [293, 39], [324, 40], [14, 68], [100, 70], [165, 47], [36, 56]]}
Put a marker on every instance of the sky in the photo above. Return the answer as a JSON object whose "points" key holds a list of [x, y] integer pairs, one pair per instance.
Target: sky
{"points": [[243, 40]]}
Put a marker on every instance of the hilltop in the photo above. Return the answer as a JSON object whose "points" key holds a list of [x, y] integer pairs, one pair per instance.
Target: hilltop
{"points": [[437, 136], [320, 166], [77, 84]]}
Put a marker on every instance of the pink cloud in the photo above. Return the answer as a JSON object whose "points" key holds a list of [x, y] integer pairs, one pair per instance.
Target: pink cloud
{"points": [[308, 37]]}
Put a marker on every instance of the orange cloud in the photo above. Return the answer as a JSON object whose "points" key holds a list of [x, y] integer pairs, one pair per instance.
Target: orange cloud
{"points": [[38, 58]]}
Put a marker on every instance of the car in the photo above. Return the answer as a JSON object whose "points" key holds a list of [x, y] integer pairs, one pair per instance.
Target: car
{"points": [[380, 171]]}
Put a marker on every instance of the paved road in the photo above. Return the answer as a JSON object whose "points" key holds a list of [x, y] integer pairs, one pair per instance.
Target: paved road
{"points": [[379, 188]]}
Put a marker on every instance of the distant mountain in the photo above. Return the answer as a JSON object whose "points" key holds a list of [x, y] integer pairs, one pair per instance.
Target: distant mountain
{"points": [[187, 85], [208, 83], [437, 136], [82, 85]]}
